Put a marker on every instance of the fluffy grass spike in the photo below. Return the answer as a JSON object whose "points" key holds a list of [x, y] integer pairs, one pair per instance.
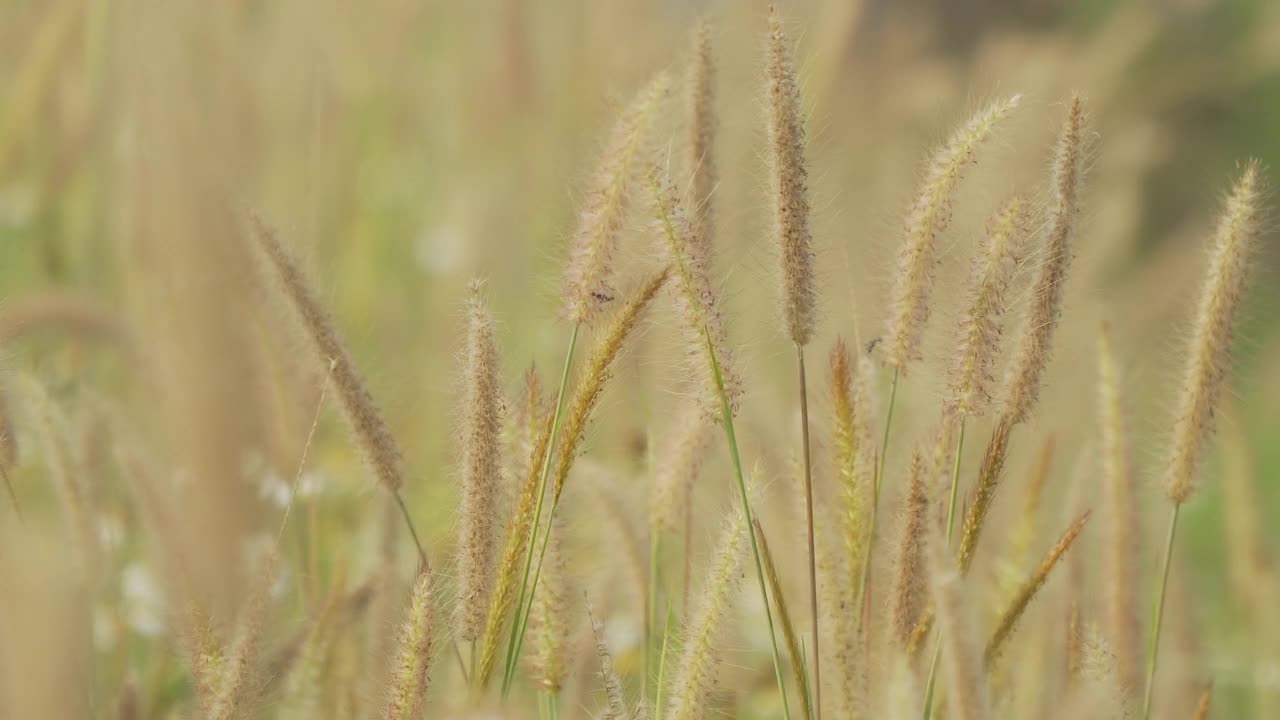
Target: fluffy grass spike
{"points": [[588, 283], [481, 468], [928, 217], [1046, 304]]}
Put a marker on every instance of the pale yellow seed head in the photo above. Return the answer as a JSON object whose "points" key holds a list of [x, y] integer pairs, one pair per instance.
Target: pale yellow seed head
{"points": [[694, 672], [595, 374], [696, 298], [508, 578], [928, 217], [1032, 356], [616, 709], [588, 283], [977, 344], [1209, 352], [1124, 529], [237, 670], [1009, 618], [411, 675], [481, 468], [549, 635]]}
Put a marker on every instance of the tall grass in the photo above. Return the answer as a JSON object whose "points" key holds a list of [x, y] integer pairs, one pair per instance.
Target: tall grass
{"points": [[565, 563]]}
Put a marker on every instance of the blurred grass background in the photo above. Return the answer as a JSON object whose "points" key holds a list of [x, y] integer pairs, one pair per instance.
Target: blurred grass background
{"points": [[404, 147]]}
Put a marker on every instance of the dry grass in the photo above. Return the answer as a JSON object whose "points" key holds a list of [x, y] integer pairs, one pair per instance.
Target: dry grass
{"points": [[189, 530]]}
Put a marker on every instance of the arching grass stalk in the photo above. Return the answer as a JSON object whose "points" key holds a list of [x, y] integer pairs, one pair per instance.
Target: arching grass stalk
{"points": [[951, 518], [521, 616], [1157, 613], [731, 438]]}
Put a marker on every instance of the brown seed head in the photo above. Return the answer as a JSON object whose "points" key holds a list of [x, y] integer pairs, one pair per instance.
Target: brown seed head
{"points": [[369, 430], [789, 178], [1009, 619], [909, 580], [508, 577], [989, 475]]}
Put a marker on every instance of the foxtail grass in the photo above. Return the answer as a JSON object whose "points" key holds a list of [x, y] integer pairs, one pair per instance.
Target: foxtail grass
{"points": [[1013, 613], [481, 469], [616, 707], [411, 674], [368, 428], [1032, 356], [1123, 522], [794, 240], [595, 375], [694, 673], [1207, 364], [928, 217], [731, 438], [789, 635]]}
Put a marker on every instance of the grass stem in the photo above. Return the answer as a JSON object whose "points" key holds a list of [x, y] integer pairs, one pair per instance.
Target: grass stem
{"points": [[931, 683], [1158, 613], [813, 560], [521, 616], [864, 586], [731, 438]]}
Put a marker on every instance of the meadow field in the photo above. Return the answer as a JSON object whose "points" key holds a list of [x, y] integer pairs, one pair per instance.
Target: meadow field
{"points": [[639, 360]]}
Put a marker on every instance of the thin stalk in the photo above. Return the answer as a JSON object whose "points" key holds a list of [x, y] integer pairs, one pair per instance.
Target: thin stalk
{"points": [[471, 675], [731, 439], [813, 560], [423, 564], [13, 496], [1158, 613], [884, 443], [533, 589], [521, 612], [553, 704], [651, 608], [931, 683], [804, 676], [864, 585], [955, 483], [933, 679], [662, 665], [684, 556]]}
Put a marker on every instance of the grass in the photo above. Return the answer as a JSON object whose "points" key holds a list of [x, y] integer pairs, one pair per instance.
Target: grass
{"points": [[183, 381]]}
